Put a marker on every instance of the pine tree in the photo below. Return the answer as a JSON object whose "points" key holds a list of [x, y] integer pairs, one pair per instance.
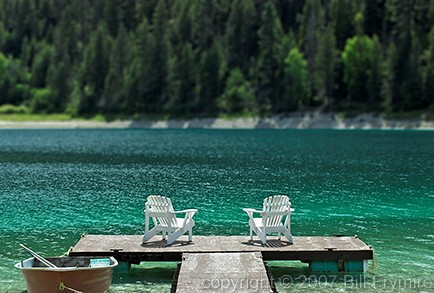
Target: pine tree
{"points": [[72, 32], [132, 102], [144, 9], [25, 22], [373, 17], [41, 63], [325, 68], [202, 24], [112, 15], [151, 55], [28, 50], [406, 86], [142, 71], [93, 72], [114, 89], [181, 27], [343, 14], [159, 58], [269, 71], [240, 34], [2, 36], [182, 82], [58, 81], [312, 22], [5, 82], [209, 84], [14, 81], [289, 11]]}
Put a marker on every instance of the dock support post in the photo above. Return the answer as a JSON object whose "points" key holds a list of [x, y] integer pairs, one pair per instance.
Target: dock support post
{"points": [[323, 266], [341, 265], [356, 265]]}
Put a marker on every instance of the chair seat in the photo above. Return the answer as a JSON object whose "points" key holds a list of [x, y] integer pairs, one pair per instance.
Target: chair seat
{"points": [[258, 224], [179, 223]]}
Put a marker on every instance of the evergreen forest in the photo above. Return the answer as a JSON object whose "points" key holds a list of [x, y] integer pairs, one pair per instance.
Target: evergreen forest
{"points": [[203, 58]]}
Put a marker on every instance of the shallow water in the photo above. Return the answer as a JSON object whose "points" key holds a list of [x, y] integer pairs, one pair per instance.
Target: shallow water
{"points": [[58, 184]]}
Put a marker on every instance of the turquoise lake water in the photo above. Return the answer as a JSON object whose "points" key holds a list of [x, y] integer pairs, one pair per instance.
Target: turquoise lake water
{"points": [[58, 184]]}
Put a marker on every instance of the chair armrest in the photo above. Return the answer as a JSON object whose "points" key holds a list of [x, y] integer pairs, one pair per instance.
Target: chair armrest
{"points": [[186, 211], [251, 211], [189, 213]]}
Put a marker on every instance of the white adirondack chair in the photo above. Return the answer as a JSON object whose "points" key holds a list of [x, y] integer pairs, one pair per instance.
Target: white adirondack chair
{"points": [[160, 209], [275, 217]]}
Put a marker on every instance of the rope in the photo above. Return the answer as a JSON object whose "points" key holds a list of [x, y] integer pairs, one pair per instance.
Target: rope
{"points": [[63, 287]]}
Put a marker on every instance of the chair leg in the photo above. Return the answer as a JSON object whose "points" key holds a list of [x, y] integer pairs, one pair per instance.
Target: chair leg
{"points": [[151, 233], [170, 239], [279, 236], [146, 224], [289, 237], [172, 236], [164, 235], [190, 234], [263, 238], [251, 234]]}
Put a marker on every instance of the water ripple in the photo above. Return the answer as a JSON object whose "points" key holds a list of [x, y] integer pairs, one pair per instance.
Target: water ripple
{"points": [[58, 184]]}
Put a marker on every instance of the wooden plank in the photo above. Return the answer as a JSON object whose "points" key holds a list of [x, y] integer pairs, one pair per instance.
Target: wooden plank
{"points": [[223, 272], [306, 248]]}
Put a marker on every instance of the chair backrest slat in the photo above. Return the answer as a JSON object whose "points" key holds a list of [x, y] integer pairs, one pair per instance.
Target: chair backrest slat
{"points": [[158, 205], [275, 208]]}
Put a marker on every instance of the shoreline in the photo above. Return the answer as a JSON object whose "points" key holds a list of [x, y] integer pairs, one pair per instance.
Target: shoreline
{"points": [[310, 120]]}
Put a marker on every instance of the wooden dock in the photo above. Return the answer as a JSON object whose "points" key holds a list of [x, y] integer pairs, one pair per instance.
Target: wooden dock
{"points": [[129, 248], [223, 272], [230, 263]]}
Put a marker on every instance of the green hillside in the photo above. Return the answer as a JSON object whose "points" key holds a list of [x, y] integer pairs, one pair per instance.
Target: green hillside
{"points": [[205, 58]]}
